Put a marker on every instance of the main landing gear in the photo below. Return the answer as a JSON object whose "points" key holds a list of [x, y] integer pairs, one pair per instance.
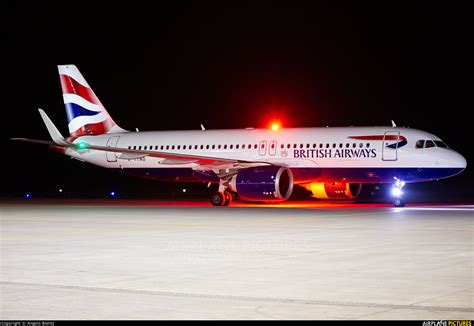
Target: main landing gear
{"points": [[398, 193], [223, 198]]}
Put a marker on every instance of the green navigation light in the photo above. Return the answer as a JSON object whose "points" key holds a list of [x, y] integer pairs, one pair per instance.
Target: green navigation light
{"points": [[82, 145]]}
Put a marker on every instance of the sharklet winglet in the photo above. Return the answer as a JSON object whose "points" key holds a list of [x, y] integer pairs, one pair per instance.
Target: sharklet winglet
{"points": [[53, 131]]}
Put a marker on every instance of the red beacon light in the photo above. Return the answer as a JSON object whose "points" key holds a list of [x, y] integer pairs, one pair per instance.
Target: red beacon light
{"points": [[275, 126]]}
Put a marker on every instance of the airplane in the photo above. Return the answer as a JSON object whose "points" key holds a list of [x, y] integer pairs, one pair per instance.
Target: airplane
{"points": [[259, 165]]}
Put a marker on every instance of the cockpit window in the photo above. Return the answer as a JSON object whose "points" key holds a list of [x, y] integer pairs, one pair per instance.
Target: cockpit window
{"points": [[420, 144], [441, 144], [429, 143]]}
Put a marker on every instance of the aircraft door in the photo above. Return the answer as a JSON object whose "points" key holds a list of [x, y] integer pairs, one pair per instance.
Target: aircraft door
{"points": [[273, 147], [262, 148], [112, 143], [390, 145]]}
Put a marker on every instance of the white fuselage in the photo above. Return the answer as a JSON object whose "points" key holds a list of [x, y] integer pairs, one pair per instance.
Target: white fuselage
{"points": [[379, 153]]}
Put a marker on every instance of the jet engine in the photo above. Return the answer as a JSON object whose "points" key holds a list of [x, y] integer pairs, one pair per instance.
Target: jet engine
{"points": [[265, 183], [334, 190]]}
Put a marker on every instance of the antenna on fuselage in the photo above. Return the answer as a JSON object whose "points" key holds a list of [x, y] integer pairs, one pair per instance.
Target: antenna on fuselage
{"points": [[202, 127], [393, 124]]}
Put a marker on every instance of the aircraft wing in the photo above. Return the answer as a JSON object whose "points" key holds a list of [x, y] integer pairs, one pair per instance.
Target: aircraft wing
{"points": [[209, 161], [131, 153]]}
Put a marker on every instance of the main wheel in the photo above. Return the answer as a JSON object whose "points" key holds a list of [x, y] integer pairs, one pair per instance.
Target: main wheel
{"points": [[228, 198], [398, 202], [217, 199]]}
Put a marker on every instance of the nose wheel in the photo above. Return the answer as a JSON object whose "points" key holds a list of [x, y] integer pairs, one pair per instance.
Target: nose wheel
{"points": [[398, 193], [398, 202]]}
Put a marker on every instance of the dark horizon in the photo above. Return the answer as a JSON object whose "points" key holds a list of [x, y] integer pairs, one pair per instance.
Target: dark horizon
{"points": [[173, 68]]}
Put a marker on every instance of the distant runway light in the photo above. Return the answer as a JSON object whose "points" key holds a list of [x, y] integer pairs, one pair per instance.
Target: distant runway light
{"points": [[60, 190], [27, 196], [184, 189], [112, 193]]}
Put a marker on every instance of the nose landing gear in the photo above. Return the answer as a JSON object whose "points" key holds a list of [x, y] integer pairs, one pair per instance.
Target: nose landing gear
{"points": [[398, 193]]}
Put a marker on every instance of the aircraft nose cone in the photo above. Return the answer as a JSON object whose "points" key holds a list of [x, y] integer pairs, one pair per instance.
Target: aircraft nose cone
{"points": [[457, 160], [462, 161]]}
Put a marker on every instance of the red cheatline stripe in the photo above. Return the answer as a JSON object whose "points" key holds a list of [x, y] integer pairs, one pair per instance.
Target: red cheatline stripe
{"points": [[71, 86], [381, 137]]}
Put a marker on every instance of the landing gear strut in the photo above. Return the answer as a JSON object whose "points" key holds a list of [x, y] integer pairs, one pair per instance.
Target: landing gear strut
{"points": [[397, 193]]}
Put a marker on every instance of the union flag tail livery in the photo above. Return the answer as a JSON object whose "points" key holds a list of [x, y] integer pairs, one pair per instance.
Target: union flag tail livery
{"points": [[85, 113], [260, 165]]}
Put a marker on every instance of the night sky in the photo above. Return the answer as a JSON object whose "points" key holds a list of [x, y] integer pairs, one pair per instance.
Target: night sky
{"points": [[232, 65]]}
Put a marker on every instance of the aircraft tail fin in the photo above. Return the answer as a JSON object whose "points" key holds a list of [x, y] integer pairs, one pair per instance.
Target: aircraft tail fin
{"points": [[85, 113]]}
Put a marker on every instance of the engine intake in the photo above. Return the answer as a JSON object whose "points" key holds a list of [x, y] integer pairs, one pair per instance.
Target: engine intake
{"points": [[334, 190], [265, 183]]}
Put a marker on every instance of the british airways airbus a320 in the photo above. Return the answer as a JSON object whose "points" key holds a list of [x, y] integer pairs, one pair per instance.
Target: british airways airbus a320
{"points": [[258, 164]]}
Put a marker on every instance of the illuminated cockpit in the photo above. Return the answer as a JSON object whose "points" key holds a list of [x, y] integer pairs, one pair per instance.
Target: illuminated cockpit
{"points": [[428, 143]]}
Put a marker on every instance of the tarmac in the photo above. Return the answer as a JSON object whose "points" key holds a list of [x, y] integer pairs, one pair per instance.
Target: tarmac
{"points": [[188, 260]]}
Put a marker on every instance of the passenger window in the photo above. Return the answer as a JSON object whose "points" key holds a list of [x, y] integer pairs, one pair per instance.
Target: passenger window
{"points": [[172, 147], [202, 146], [307, 145], [354, 145], [327, 145], [321, 145], [273, 145], [429, 144], [301, 145], [288, 146], [144, 148], [360, 145], [129, 147], [347, 145], [334, 145], [139, 147], [282, 146], [167, 147], [231, 146], [207, 146], [255, 146], [213, 146], [294, 145], [195, 146], [340, 145], [237, 146], [179, 146], [367, 145], [314, 145]]}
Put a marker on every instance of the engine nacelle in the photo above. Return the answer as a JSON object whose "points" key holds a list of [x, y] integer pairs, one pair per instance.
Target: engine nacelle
{"points": [[334, 190], [265, 183]]}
